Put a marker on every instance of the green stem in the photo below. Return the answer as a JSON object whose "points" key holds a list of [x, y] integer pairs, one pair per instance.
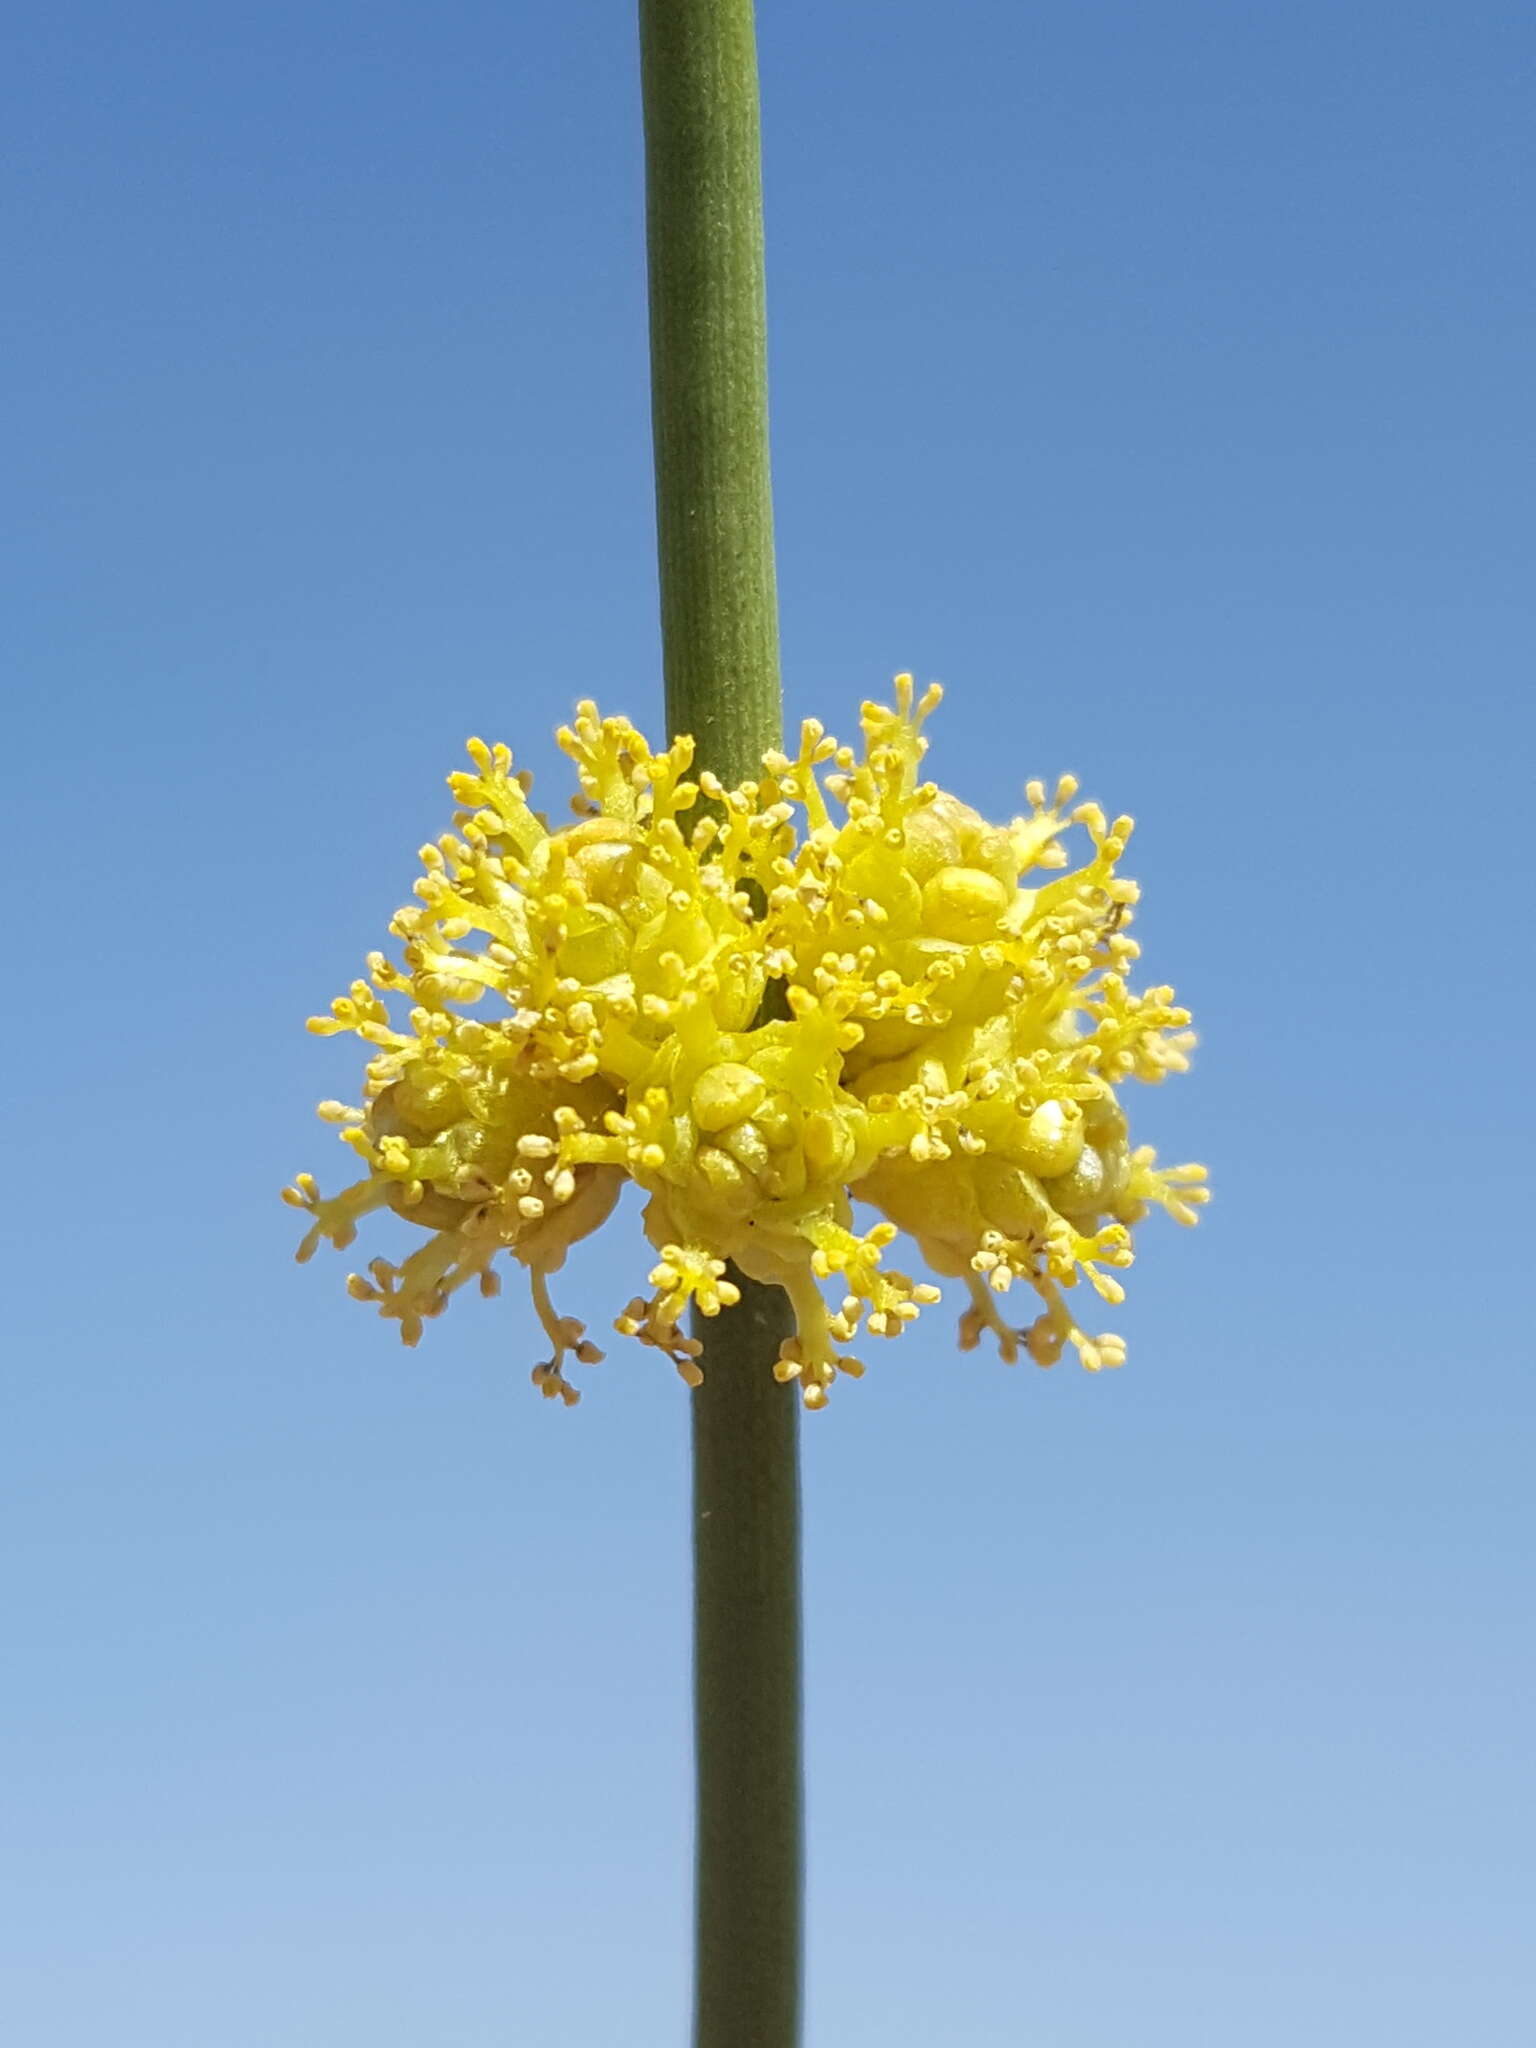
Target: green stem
{"points": [[719, 619], [709, 379], [746, 1684]]}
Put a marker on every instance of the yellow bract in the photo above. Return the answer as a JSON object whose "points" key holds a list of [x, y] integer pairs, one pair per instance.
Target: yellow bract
{"points": [[949, 1022]]}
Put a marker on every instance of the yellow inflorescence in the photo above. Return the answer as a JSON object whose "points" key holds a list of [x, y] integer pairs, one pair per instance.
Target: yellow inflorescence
{"points": [[950, 1024]]}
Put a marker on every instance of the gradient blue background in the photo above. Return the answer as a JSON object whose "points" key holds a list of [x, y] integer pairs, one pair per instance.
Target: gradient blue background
{"points": [[1160, 378]]}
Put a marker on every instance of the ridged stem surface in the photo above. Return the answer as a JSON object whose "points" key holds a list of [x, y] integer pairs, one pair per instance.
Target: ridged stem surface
{"points": [[719, 616]]}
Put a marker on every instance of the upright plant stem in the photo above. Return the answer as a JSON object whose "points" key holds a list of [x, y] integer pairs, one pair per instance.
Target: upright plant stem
{"points": [[714, 517]]}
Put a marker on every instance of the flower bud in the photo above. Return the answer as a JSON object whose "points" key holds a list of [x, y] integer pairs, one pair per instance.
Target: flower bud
{"points": [[724, 1094], [963, 904], [1053, 1137]]}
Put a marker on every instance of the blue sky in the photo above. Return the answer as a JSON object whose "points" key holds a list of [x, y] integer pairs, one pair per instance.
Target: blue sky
{"points": [[1158, 377]]}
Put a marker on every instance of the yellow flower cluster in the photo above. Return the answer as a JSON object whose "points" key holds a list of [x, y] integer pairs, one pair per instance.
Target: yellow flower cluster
{"points": [[948, 1023]]}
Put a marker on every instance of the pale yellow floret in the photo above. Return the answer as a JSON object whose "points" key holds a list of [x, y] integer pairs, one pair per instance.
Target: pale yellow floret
{"points": [[950, 1023]]}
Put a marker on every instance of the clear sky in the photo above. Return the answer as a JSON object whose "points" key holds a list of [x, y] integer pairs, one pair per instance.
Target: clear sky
{"points": [[1159, 377]]}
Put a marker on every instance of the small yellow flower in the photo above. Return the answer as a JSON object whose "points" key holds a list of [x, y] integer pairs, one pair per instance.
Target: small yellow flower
{"points": [[949, 1022]]}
